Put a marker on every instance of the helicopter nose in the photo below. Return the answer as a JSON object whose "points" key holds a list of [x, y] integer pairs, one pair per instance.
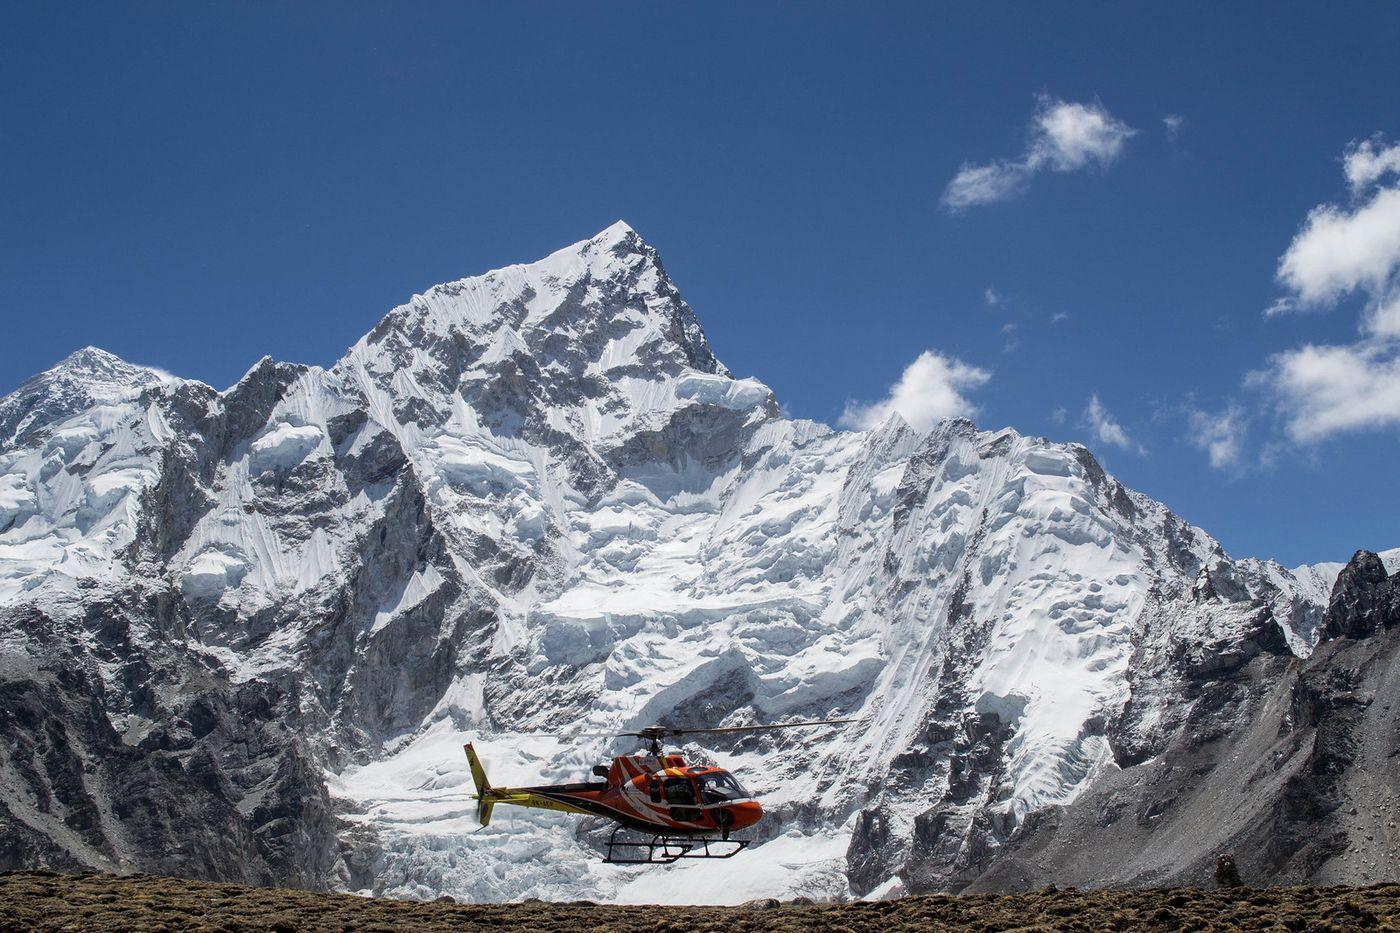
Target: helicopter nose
{"points": [[746, 813]]}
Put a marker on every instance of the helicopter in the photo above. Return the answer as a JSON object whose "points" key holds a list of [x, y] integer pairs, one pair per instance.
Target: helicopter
{"points": [[677, 809]]}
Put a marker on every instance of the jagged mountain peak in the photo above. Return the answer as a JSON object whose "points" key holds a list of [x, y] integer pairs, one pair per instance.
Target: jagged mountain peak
{"points": [[594, 339], [90, 358], [617, 230], [605, 302], [86, 377], [99, 367]]}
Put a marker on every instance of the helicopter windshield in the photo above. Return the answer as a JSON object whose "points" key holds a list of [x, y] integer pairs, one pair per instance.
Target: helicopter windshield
{"points": [[720, 787]]}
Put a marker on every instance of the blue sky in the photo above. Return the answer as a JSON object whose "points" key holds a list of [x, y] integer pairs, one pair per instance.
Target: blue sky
{"points": [[195, 185]]}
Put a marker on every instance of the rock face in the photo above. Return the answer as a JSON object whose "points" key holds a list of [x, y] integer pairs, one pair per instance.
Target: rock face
{"points": [[1288, 764], [197, 777], [1365, 599], [245, 633]]}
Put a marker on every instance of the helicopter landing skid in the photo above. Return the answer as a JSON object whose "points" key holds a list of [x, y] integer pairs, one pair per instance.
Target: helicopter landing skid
{"points": [[663, 849]]}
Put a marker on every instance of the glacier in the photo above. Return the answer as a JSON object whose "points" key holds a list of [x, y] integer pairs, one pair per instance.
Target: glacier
{"points": [[533, 504]]}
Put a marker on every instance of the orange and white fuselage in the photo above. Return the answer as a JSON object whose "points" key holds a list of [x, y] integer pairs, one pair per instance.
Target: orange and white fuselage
{"points": [[647, 793]]}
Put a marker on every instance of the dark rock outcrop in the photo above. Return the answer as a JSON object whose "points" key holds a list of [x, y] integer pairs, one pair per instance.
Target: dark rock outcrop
{"points": [[1288, 763], [121, 759], [1364, 599]]}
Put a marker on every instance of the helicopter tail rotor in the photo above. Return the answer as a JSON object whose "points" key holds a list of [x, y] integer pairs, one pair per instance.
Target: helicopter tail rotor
{"points": [[484, 801]]}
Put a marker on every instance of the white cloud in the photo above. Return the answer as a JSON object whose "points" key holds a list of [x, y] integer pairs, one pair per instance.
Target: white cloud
{"points": [[985, 184], [1344, 250], [930, 389], [1327, 390], [1064, 137], [1366, 163], [991, 297], [1059, 317], [1383, 317], [1340, 251], [1059, 415], [1069, 136], [1106, 428], [1173, 122], [1220, 434]]}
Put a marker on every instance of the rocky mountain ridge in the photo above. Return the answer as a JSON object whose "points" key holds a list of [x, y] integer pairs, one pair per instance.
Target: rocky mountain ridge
{"points": [[245, 632]]}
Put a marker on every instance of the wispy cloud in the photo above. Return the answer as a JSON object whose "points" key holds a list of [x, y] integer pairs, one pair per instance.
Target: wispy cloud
{"points": [[1064, 137], [1221, 434], [1107, 429], [930, 389], [985, 184], [1011, 340], [1173, 122], [991, 297]]}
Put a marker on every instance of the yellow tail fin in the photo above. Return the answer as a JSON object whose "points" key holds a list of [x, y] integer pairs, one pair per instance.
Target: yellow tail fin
{"points": [[484, 803]]}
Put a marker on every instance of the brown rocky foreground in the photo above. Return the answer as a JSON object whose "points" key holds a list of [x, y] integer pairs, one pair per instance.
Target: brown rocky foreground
{"points": [[44, 900]]}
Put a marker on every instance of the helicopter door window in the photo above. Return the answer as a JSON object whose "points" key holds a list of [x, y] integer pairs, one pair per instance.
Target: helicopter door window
{"points": [[680, 792]]}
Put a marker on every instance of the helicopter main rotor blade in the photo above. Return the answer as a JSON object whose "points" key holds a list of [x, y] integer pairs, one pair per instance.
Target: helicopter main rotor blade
{"points": [[653, 733], [660, 732], [780, 725]]}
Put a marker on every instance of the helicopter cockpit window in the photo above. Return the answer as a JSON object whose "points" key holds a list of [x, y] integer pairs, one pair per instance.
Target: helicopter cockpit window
{"points": [[679, 792], [720, 788]]}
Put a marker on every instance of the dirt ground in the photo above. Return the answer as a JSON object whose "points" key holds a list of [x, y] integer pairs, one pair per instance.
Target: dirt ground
{"points": [[42, 900]]}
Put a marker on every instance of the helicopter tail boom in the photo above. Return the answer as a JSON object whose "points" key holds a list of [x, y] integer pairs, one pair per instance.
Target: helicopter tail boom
{"points": [[539, 798]]}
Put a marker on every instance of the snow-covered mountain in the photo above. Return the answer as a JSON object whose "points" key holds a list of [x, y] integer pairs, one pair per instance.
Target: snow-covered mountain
{"points": [[245, 633]]}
